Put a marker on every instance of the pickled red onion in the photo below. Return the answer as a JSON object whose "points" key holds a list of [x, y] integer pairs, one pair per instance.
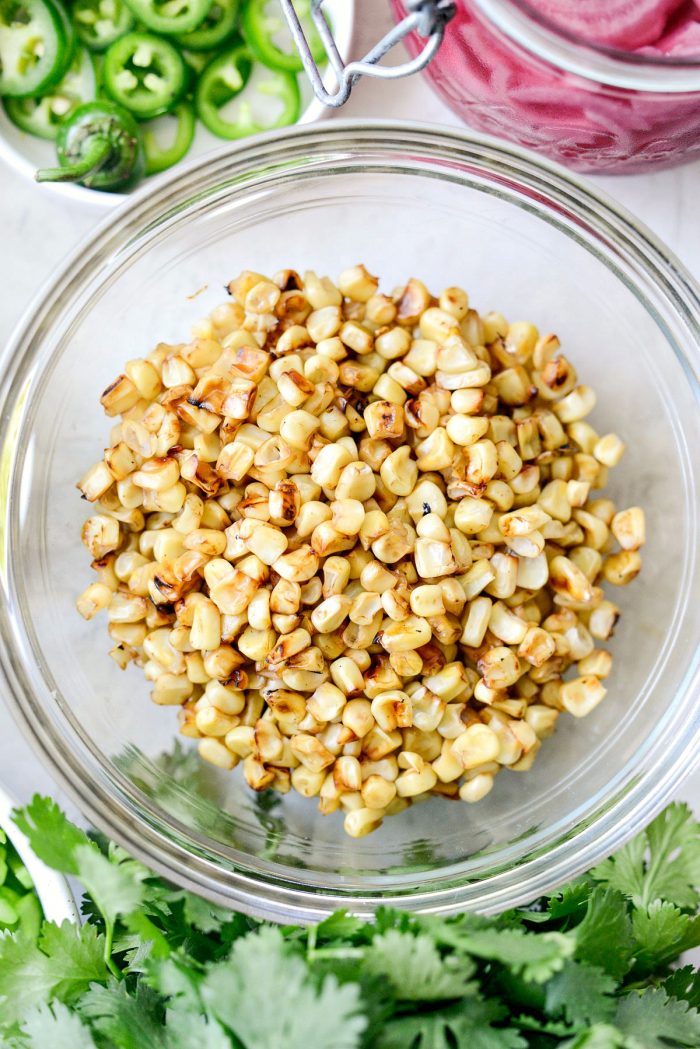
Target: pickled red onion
{"points": [[626, 24]]}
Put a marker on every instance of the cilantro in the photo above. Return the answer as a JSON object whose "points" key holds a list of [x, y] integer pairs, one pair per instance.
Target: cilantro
{"points": [[535, 956], [652, 1020], [128, 1021], [581, 994], [56, 1026], [61, 965], [604, 937], [467, 1025], [662, 933], [155, 967], [265, 995], [115, 887], [414, 968], [600, 1036], [662, 863], [684, 984], [53, 838]]}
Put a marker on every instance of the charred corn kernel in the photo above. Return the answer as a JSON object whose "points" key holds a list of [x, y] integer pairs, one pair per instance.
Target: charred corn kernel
{"points": [[477, 788], [93, 600], [311, 753], [404, 636], [576, 405], [629, 528], [357, 716], [347, 676], [620, 569], [347, 516], [473, 515], [475, 746], [582, 695], [505, 625], [399, 471], [377, 792], [216, 753], [435, 452], [362, 821], [328, 616], [298, 566], [364, 608], [598, 663], [357, 284], [356, 481], [392, 710], [522, 522], [298, 427], [427, 601], [608, 449], [414, 781]]}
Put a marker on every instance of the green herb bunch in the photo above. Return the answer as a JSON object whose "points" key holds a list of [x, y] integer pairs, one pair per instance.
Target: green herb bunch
{"points": [[155, 967]]}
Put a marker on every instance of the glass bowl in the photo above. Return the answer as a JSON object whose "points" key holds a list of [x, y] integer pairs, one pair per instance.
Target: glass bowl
{"points": [[507, 71], [522, 236]]}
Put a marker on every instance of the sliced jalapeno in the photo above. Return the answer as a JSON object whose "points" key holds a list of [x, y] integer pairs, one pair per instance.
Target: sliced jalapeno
{"points": [[159, 157], [145, 74], [218, 27], [42, 116], [268, 37], [170, 16], [34, 47], [233, 103], [99, 23]]}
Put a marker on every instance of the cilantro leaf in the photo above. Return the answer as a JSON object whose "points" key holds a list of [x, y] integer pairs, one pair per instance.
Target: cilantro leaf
{"points": [[187, 1030], [339, 926], [661, 863], [467, 1025], [113, 881], [663, 934], [204, 915], [415, 969], [115, 887], [52, 836], [684, 984], [128, 1021], [600, 1036], [534, 956], [581, 994], [571, 901], [264, 994], [62, 964], [55, 1026], [604, 937], [653, 1020]]}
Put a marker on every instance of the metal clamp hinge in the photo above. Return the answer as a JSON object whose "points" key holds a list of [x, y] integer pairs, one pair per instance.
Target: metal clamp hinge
{"points": [[427, 18]]}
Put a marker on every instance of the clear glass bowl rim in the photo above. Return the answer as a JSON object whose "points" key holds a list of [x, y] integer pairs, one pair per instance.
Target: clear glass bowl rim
{"points": [[603, 65], [637, 792]]}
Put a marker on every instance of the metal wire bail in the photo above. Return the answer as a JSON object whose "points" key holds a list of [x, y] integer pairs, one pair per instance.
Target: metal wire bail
{"points": [[427, 18]]}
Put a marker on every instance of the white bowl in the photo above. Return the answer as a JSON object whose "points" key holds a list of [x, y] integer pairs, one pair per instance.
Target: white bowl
{"points": [[25, 153], [54, 893]]}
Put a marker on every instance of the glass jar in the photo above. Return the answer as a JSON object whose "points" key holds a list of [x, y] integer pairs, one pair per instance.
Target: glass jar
{"points": [[505, 71], [452, 208]]}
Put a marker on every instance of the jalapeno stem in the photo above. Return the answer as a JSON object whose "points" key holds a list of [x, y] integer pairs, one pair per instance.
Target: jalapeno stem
{"points": [[96, 153]]}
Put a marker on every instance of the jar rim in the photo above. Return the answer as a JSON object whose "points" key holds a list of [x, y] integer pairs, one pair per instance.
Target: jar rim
{"points": [[604, 65]]}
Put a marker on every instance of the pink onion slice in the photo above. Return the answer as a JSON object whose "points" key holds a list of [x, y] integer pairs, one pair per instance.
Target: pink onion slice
{"points": [[681, 42], [627, 24]]}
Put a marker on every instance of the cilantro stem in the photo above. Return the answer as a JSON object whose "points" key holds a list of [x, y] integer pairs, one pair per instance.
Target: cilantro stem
{"points": [[109, 961], [314, 953]]}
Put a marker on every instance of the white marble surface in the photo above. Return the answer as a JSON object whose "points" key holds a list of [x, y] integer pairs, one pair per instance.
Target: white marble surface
{"points": [[37, 231]]}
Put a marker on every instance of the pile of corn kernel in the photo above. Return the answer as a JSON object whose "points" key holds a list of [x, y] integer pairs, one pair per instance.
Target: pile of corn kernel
{"points": [[354, 538]]}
